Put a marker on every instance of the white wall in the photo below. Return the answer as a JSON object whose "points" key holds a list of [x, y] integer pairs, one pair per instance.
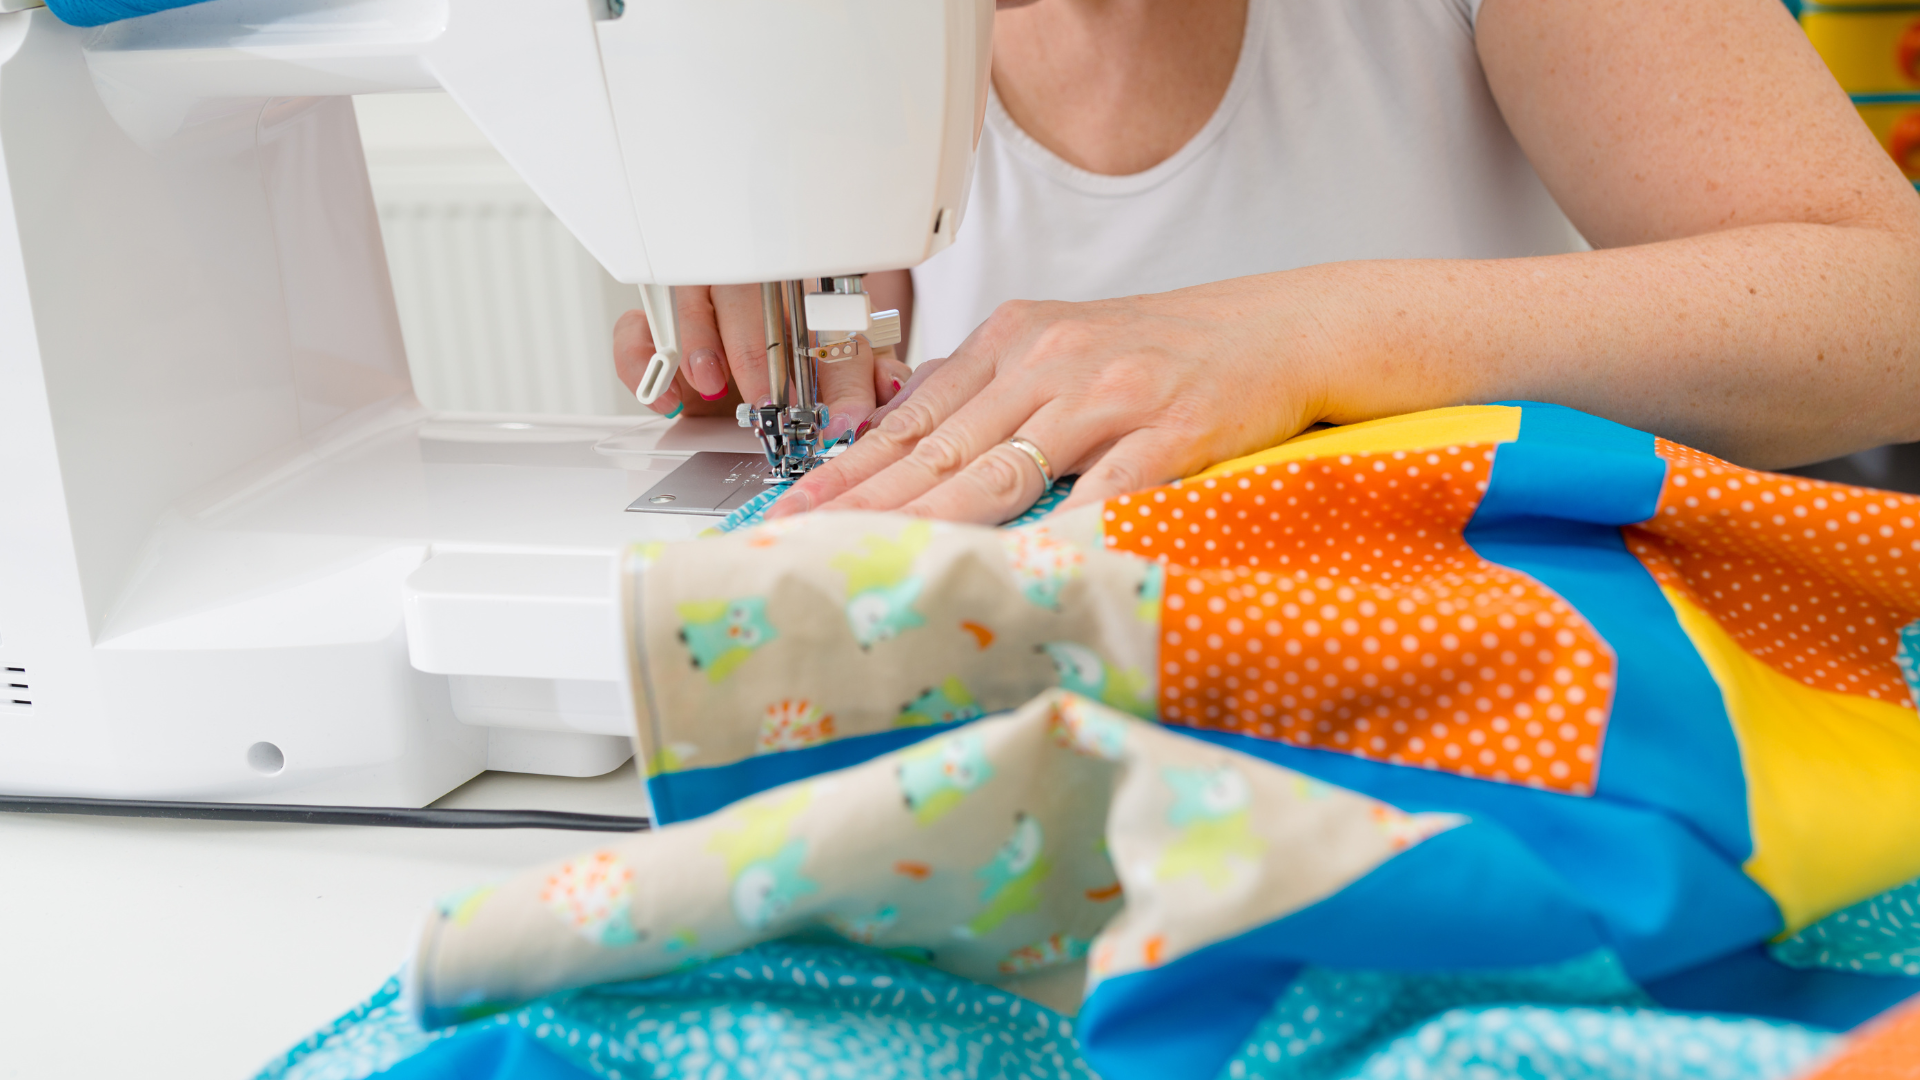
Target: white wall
{"points": [[501, 308]]}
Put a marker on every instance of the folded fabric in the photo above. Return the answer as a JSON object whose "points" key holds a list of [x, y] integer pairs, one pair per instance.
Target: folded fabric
{"points": [[1472, 690]]}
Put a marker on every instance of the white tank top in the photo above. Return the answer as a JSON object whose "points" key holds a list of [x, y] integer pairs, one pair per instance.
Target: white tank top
{"points": [[1352, 129]]}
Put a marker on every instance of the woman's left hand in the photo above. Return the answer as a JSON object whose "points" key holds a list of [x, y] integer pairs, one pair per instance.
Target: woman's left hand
{"points": [[1124, 393]]}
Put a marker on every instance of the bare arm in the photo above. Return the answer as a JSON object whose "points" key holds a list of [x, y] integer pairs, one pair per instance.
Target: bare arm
{"points": [[1756, 291]]}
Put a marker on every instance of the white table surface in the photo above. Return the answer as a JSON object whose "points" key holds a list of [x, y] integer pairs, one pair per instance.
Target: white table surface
{"points": [[195, 949]]}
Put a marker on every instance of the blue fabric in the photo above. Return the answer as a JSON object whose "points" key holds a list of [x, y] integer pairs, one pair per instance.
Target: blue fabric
{"points": [[1552, 510], [98, 12], [1650, 883], [484, 1053], [1468, 898], [1752, 983]]}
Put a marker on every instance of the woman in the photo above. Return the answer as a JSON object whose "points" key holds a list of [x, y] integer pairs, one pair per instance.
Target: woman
{"points": [[1200, 226]]}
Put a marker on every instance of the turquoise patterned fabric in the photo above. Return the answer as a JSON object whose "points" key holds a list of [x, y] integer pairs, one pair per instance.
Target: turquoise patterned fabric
{"points": [[805, 1010], [1880, 936], [1581, 1020], [779, 1010], [754, 510], [1330, 1020], [1595, 1044], [1907, 655], [364, 1040]]}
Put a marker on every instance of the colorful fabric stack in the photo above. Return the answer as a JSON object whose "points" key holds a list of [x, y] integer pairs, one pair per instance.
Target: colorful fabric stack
{"points": [[1478, 691], [1873, 49]]}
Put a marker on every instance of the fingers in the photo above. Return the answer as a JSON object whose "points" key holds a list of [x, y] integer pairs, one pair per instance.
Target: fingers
{"points": [[915, 380], [888, 442], [940, 454], [846, 389], [1004, 480], [743, 329], [1136, 462], [890, 375], [632, 350], [701, 363]]}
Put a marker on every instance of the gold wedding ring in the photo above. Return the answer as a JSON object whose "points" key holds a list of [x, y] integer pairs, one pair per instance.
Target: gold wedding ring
{"points": [[1026, 447]]}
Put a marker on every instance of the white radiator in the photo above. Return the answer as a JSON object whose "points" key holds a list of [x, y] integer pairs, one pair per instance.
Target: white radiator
{"points": [[501, 308]]}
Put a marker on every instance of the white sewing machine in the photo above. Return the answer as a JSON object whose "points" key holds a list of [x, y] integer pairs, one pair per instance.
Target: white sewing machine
{"points": [[238, 560]]}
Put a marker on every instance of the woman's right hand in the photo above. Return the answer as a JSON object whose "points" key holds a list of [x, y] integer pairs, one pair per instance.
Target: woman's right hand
{"points": [[723, 358]]}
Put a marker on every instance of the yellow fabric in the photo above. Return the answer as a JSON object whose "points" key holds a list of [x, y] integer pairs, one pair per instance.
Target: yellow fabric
{"points": [[1460, 425], [1862, 47], [1833, 780]]}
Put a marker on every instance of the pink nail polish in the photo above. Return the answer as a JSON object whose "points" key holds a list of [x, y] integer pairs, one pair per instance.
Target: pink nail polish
{"points": [[712, 397], [896, 386]]}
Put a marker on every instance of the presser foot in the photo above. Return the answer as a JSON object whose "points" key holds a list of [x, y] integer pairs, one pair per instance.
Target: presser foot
{"points": [[790, 436]]}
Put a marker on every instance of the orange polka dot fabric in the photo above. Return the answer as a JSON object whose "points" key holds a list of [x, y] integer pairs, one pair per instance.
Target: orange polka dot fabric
{"points": [[1332, 603], [1814, 579]]}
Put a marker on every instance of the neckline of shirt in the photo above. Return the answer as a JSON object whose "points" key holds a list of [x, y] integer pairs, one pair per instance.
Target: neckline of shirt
{"points": [[1092, 183]]}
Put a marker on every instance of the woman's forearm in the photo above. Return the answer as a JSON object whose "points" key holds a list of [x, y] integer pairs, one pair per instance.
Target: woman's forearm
{"points": [[1772, 345]]}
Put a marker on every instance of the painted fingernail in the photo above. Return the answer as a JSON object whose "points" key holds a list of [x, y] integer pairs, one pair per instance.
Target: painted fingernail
{"points": [[896, 386], [676, 410], [865, 426], [707, 373], [836, 427]]}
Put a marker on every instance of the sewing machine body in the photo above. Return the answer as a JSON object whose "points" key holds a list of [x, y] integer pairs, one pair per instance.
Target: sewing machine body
{"points": [[238, 560]]}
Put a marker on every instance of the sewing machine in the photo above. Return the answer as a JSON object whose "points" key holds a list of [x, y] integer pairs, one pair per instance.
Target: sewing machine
{"points": [[238, 560]]}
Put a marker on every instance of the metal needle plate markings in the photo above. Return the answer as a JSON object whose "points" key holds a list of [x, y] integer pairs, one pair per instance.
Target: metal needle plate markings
{"points": [[710, 484]]}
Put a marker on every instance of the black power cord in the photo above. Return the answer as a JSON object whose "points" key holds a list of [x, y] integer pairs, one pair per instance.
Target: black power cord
{"points": [[294, 814]]}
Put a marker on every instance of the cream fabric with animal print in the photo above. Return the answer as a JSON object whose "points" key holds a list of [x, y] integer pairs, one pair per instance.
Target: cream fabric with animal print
{"points": [[824, 626], [1009, 845]]}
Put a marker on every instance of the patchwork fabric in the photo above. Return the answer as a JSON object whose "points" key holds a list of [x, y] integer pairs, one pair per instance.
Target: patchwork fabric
{"points": [[1335, 604], [1454, 694], [1813, 579]]}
